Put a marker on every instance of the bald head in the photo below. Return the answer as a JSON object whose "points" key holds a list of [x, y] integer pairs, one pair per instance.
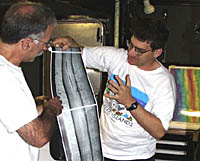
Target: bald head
{"points": [[26, 19]]}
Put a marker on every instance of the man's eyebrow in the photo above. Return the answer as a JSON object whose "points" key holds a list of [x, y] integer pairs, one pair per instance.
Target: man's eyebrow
{"points": [[136, 46]]}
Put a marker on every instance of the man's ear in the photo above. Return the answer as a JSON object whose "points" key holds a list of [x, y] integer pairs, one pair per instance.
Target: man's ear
{"points": [[157, 52], [26, 43]]}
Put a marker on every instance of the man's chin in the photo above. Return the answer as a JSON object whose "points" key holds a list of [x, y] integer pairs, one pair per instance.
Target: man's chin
{"points": [[132, 61], [32, 60], [40, 54], [28, 60]]}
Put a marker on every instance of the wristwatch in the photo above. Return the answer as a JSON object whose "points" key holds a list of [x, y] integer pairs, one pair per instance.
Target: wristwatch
{"points": [[133, 106]]}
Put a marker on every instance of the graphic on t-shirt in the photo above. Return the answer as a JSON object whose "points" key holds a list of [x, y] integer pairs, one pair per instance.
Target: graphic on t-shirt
{"points": [[118, 111], [138, 95]]}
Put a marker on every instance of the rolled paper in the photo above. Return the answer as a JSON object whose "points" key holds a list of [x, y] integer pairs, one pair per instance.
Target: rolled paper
{"points": [[79, 122]]}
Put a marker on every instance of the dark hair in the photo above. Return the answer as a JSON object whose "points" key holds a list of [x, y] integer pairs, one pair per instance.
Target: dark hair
{"points": [[154, 31], [26, 19]]}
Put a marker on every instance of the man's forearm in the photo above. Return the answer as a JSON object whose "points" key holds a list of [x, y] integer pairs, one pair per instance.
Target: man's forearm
{"points": [[149, 122], [39, 131]]}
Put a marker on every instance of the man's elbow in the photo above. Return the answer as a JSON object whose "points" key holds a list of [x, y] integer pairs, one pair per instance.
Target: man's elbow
{"points": [[40, 143], [160, 134]]}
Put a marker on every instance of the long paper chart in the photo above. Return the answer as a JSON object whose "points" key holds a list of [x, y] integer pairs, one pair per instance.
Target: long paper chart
{"points": [[78, 123]]}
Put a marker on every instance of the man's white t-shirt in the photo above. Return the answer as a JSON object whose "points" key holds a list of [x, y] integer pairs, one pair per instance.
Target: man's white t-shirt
{"points": [[17, 108], [122, 137]]}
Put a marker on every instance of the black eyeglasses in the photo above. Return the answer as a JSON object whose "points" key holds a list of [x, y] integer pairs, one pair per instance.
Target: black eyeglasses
{"points": [[138, 51], [47, 44]]}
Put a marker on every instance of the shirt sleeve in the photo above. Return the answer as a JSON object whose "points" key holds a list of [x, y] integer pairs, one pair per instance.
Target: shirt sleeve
{"points": [[17, 104], [102, 58], [164, 101]]}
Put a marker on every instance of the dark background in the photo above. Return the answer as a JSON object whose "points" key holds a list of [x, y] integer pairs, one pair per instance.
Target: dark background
{"points": [[182, 17]]}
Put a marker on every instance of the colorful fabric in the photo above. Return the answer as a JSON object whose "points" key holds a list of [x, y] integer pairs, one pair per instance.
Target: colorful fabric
{"points": [[188, 94]]}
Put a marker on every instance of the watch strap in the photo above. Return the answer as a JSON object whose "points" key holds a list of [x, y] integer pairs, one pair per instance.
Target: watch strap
{"points": [[133, 106]]}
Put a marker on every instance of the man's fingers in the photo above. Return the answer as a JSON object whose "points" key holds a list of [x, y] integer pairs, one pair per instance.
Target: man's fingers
{"points": [[128, 81]]}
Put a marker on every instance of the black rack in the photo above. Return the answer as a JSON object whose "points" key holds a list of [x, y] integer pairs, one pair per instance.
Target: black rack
{"points": [[179, 145]]}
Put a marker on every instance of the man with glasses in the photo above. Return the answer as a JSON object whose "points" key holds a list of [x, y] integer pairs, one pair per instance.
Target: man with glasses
{"points": [[140, 96], [25, 32], [47, 44]]}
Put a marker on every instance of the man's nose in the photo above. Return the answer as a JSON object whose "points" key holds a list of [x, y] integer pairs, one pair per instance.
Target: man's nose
{"points": [[132, 52]]}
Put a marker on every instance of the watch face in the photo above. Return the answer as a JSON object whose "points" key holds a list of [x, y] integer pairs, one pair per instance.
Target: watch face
{"points": [[133, 106]]}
